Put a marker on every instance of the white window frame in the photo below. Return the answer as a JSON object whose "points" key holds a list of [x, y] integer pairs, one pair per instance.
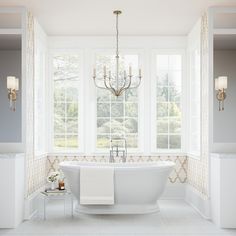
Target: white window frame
{"points": [[191, 153], [153, 130], [80, 149], [93, 134], [193, 43], [41, 66]]}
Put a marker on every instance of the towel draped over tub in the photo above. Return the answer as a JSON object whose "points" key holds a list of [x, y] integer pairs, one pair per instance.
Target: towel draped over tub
{"points": [[96, 185]]}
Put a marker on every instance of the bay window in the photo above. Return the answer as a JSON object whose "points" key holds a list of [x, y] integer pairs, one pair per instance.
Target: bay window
{"points": [[150, 117]]}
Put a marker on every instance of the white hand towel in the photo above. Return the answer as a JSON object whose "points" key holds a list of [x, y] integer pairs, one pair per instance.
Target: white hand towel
{"points": [[96, 185]]}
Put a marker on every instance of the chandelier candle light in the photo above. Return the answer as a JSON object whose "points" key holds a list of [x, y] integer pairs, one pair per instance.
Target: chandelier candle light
{"points": [[117, 84]]}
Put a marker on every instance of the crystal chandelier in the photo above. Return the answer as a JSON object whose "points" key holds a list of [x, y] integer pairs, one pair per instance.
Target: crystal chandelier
{"points": [[119, 83]]}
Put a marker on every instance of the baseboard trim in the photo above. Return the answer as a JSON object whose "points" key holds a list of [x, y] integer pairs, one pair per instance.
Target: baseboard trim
{"points": [[174, 191], [196, 200], [31, 204]]}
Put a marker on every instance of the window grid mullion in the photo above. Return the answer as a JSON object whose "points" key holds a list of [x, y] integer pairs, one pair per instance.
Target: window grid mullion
{"points": [[168, 104], [124, 115]]}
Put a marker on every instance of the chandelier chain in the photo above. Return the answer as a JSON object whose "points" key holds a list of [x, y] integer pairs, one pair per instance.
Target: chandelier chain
{"points": [[117, 36]]}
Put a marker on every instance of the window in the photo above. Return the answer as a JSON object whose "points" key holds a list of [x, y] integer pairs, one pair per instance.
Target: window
{"points": [[195, 101], [168, 101], [66, 83], [117, 117]]}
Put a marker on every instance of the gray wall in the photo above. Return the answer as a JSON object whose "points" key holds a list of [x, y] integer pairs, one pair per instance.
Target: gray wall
{"points": [[225, 121], [10, 122]]}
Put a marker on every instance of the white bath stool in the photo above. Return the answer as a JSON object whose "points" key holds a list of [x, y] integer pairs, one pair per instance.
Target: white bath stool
{"points": [[57, 195]]}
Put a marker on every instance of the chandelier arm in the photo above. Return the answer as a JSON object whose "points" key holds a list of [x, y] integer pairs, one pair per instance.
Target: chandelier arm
{"points": [[109, 79], [105, 82], [130, 79], [110, 86], [124, 83], [123, 87], [136, 86], [110, 89], [121, 92], [98, 86]]}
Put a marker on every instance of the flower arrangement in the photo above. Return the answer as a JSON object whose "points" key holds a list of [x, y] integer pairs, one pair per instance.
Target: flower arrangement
{"points": [[53, 177]]}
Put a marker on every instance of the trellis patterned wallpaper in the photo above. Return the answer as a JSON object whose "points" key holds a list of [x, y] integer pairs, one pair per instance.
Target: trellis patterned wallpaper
{"points": [[178, 175], [198, 168], [36, 168]]}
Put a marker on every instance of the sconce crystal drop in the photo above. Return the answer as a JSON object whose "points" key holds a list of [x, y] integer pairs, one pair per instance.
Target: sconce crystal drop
{"points": [[220, 87], [13, 87]]}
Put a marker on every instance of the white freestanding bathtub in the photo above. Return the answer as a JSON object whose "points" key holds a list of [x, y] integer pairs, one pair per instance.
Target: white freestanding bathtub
{"points": [[137, 188]]}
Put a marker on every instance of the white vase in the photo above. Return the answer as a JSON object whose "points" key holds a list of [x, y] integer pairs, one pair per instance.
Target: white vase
{"points": [[53, 185]]}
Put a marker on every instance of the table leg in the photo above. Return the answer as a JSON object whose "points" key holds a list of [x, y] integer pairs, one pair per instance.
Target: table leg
{"points": [[44, 208], [72, 206], [64, 206]]}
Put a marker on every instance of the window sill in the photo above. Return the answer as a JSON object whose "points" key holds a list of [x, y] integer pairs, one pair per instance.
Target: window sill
{"points": [[39, 155], [107, 154], [195, 156]]}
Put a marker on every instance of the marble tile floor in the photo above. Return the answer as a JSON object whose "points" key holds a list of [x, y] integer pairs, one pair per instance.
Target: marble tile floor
{"points": [[175, 218]]}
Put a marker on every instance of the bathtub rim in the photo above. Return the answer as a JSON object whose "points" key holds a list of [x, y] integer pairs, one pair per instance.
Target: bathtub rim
{"points": [[127, 165]]}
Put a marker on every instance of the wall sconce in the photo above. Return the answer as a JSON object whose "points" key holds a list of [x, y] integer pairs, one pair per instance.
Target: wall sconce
{"points": [[220, 86], [13, 87]]}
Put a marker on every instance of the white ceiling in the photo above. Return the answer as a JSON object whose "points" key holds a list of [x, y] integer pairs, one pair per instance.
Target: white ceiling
{"points": [[94, 17]]}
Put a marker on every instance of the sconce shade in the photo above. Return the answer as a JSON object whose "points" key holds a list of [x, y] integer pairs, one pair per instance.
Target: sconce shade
{"points": [[12, 83], [16, 84], [216, 84], [222, 82]]}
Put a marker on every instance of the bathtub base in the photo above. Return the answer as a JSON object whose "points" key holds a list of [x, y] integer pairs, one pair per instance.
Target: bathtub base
{"points": [[117, 209]]}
